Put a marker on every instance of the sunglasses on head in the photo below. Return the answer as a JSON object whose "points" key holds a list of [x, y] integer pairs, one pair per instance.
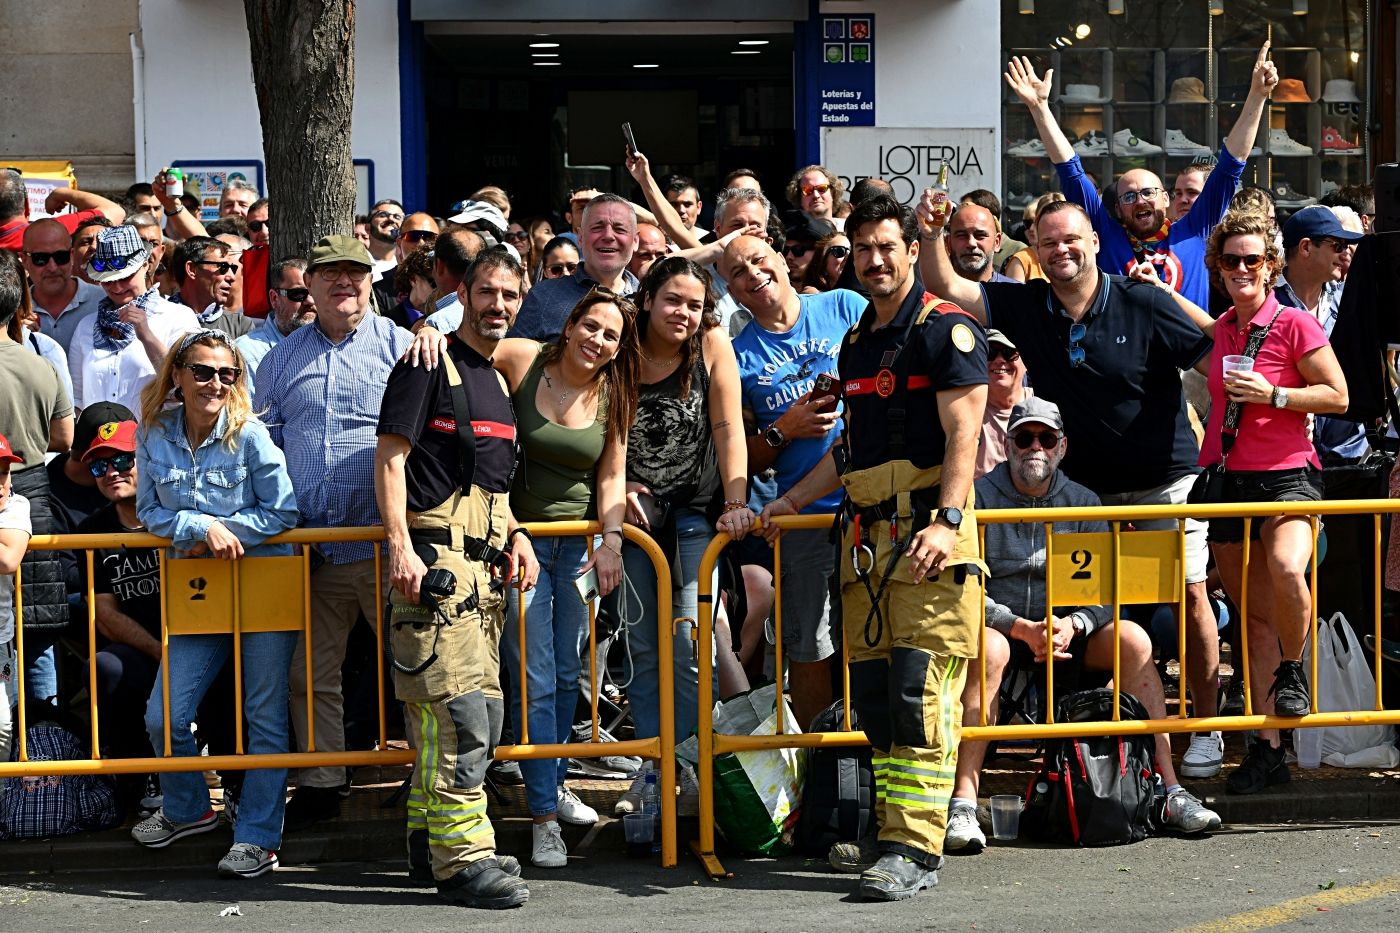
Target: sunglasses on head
{"points": [[1131, 197], [294, 294], [220, 266], [998, 352], [809, 190], [60, 257], [228, 375], [419, 236], [112, 265], [1229, 261], [122, 463], [558, 269], [839, 252], [1048, 439]]}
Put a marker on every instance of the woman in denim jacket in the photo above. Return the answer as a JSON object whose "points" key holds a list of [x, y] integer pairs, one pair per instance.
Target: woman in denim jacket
{"points": [[210, 479]]}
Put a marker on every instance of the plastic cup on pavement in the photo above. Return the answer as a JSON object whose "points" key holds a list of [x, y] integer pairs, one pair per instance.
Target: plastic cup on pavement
{"points": [[1308, 744], [638, 828], [1006, 816], [1236, 364]]}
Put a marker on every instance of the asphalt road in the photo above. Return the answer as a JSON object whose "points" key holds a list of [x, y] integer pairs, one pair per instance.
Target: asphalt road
{"points": [[1334, 877]]}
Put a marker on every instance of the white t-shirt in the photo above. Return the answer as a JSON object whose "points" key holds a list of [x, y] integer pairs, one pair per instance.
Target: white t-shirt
{"points": [[120, 375], [14, 516], [51, 350]]}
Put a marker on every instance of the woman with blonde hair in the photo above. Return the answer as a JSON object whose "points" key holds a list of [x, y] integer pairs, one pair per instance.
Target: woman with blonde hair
{"points": [[210, 479]]}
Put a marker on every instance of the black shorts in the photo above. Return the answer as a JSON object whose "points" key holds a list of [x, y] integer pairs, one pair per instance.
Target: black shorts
{"points": [[1303, 484]]}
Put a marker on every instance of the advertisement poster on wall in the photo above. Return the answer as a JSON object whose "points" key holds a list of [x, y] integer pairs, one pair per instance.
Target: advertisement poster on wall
{"points": [[909, 158]]}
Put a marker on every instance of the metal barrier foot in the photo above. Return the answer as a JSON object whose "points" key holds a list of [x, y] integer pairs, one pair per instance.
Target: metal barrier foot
{"points": [[709, 862]]}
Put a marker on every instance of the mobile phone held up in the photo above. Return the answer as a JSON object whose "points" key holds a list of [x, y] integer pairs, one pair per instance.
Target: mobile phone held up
{"points": [[825, 389], [629, 139]]}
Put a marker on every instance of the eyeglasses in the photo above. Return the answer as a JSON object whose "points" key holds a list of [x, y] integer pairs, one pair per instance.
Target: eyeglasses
{"points": [[60, 257], [122, 463], [356, 274], [1229, 261], [220, 266], [294, 294], [1131, 197], [419, 236], [809, 190], [796, 250], [518, 236], [558, 270], [228, 375], [395, 216], [112, 265], [998, 352], [839, 252], [258, 226], [1336, 244], [1049, 440], [1076, 352]]}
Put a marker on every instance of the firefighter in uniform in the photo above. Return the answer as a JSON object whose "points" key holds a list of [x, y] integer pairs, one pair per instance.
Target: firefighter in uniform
{"points": [[913, 374], [443, 469]]}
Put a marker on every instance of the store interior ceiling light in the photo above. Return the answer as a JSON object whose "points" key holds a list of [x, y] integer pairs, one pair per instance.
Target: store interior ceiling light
{"points": [[544, 54], [1027, 7], [646, 66], [1355, 57], [546, 64], [1300, 7], [1082, 31], [544, 45], [744, 52], [753, 41]]}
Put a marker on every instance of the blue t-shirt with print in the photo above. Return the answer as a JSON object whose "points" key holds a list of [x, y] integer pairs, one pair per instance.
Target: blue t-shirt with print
{"points": [[776, 370]]}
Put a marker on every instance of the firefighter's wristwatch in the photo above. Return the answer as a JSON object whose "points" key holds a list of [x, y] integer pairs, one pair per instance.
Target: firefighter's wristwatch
{"points": [[950, 516]]}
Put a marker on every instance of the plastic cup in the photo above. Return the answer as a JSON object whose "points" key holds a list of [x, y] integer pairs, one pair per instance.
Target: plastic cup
{"points": [[1006, 816], [638, 828], [1236, 364], [1308, 744]]}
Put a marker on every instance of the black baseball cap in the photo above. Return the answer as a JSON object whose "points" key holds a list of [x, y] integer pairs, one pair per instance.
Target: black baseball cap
{"points": [[92, 419]]}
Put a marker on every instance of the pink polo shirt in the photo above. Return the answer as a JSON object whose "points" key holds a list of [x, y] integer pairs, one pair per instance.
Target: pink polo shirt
{"points": [[1268, 438]]}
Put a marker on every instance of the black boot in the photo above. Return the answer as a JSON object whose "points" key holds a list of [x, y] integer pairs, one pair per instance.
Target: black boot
{"points": [[1263, 766], [896, 878], [420, 862], [483, 884], [309, 806]]}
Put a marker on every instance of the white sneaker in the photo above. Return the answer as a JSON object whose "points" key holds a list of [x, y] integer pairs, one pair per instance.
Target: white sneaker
{"points": [[1127, 144], [631, 802], [1203, 757], [1092, 144], [1178, 143], [548, 849], [963, 832], [574, 811], [1280, 143], [1030, 149]]}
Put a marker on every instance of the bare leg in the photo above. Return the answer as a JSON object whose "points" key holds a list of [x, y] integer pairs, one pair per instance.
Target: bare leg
{"points": [[972, 754], [1203, 650], [758, 588], [1139, 677], [732, 679], [1264, 654]]}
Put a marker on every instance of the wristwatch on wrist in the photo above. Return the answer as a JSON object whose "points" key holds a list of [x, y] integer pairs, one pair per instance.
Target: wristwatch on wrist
{"points": [[1078, 625], [179, 207], [950, 516], [774, 437], [1280, 397]]}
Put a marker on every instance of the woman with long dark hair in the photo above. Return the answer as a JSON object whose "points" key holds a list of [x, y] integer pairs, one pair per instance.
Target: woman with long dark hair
{"points": [[574, 400], [210, 479]]}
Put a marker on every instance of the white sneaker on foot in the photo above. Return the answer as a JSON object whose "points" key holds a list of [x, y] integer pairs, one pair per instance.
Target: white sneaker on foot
{"points": [[547, 849], [963, 832], [574, 811], [1203, 757]]}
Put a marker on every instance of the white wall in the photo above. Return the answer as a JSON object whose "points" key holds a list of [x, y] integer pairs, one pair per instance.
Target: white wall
{"points": [[199, 86]]}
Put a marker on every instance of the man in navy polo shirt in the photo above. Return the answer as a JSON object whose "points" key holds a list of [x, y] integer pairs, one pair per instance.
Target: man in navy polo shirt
{"points": [[792, 340], [1137, 226], [1109, 352]]}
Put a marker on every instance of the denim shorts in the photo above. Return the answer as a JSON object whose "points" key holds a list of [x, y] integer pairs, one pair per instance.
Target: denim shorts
{"points": [[1303, 484]]}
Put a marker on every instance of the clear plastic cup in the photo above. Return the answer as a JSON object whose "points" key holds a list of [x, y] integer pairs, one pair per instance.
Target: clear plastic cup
{"points": [[1236, 364], [1006, 816], [1307, 742], [638, 829]]}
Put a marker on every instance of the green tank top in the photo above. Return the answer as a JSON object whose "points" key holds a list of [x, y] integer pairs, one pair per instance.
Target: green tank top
{"points": [[555, 480]]}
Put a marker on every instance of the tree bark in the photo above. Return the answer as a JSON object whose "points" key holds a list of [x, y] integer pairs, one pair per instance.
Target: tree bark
{"points": [[304, 74]]}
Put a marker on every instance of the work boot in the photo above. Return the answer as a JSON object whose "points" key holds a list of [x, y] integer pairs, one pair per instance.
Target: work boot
{"points": [[483, 884], [895, 878], [309, 806], [420, 863]]}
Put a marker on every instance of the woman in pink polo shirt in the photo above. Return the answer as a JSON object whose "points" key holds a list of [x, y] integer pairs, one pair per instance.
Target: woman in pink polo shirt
{"points": [[1271, 459]]}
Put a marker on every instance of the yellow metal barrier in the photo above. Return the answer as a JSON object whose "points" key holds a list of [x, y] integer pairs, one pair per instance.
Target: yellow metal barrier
{"points": [[1119, 567]]}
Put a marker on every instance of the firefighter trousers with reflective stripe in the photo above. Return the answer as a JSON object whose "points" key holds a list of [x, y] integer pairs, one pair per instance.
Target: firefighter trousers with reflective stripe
{"points": [[447, 797]]}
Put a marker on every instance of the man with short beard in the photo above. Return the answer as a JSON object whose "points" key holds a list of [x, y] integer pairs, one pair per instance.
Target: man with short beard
{"points": [[1016, 629], [385, 218], [206, 269], [1108, 351], [974, 236]]}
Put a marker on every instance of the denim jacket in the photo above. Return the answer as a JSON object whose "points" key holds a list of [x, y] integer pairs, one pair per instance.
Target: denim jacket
{"points": [[179, 494]]}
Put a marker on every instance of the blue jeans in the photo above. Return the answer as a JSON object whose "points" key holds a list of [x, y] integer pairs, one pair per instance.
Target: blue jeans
{"points": [[195, 661], [556, 628], [693, 534], [40, 672]]}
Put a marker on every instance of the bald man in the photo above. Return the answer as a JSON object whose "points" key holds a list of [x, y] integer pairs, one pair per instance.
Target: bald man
{"points": [[651, 246], [973, 239]]}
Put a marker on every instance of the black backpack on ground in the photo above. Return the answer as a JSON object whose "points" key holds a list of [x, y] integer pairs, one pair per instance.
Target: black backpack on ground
{"points": [[1096, 790], [838, 795]]}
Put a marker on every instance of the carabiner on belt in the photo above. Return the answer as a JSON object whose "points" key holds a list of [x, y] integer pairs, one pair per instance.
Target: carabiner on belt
{"points": [[861, 550]]}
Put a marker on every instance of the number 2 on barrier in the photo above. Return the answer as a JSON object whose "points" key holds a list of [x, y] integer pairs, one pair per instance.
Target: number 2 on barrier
{"points": [[1149, 568]]}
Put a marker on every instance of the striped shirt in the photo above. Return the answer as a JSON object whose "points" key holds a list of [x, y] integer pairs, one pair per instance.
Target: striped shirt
{"points": [[322, 406]]}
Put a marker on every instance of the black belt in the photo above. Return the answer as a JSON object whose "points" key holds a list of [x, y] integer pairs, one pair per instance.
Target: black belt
{"points": [[924, 503], [475, 548]]}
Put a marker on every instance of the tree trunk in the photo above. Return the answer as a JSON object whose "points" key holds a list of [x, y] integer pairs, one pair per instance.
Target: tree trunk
{"points": [[304, 74]]}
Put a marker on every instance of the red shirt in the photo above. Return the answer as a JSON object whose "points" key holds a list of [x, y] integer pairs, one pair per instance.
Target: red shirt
{"points": [[1268, 438], [12, 234]]}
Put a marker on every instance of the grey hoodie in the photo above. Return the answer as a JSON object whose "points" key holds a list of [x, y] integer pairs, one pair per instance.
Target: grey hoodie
{"points": [[1016, 552]]}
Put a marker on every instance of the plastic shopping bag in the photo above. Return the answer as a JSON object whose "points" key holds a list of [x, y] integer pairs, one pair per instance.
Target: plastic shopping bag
{"points": [[757, 793], [1345, 682]]}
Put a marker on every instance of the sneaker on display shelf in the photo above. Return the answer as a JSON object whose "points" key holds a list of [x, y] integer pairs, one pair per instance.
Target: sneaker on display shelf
{"points": [[1126, 143], [1178, 143], [1281, 144], [1030, 149], [1092, 144], [1334, 142]]}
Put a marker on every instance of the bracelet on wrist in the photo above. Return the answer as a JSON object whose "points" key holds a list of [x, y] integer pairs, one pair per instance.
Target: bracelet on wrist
{"points": [[731, 505], [525, 532], [615, 548]]}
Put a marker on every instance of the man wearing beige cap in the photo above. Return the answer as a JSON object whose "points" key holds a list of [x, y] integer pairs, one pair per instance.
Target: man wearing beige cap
{"points": [[1006, 388]]}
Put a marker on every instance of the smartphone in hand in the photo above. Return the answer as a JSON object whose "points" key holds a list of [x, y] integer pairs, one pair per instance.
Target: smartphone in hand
{"points": [[629, 139], [825, 389], [587, 585]]}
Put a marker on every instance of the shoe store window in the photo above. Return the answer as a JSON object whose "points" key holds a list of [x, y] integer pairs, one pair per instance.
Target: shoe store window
{"points": [[1158, 84]]}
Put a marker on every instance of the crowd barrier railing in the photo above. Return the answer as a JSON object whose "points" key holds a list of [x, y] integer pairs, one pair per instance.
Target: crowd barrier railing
{"points": [[1120, 567], [262, 594]]}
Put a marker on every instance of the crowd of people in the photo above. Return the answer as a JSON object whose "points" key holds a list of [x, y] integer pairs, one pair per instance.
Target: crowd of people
{"points": [[453, 378]]}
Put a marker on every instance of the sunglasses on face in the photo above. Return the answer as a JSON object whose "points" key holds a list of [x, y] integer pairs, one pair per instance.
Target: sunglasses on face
{"points": [[1076, 352], [294, 294], [420, 236], [1251, 262], [838, 252], [1337, 245], [1131, 197], [809, 190], [112, 265], [228, 375], [518, 236], [796, 250], [258, 226], [561, 269], [1002, 353], [220, 266], [122, 463], [1049, 440], [60, 258]]}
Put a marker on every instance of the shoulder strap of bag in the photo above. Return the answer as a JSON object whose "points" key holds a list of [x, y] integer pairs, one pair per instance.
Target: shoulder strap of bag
{"points": [[462, 414], [1230, 428]]}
